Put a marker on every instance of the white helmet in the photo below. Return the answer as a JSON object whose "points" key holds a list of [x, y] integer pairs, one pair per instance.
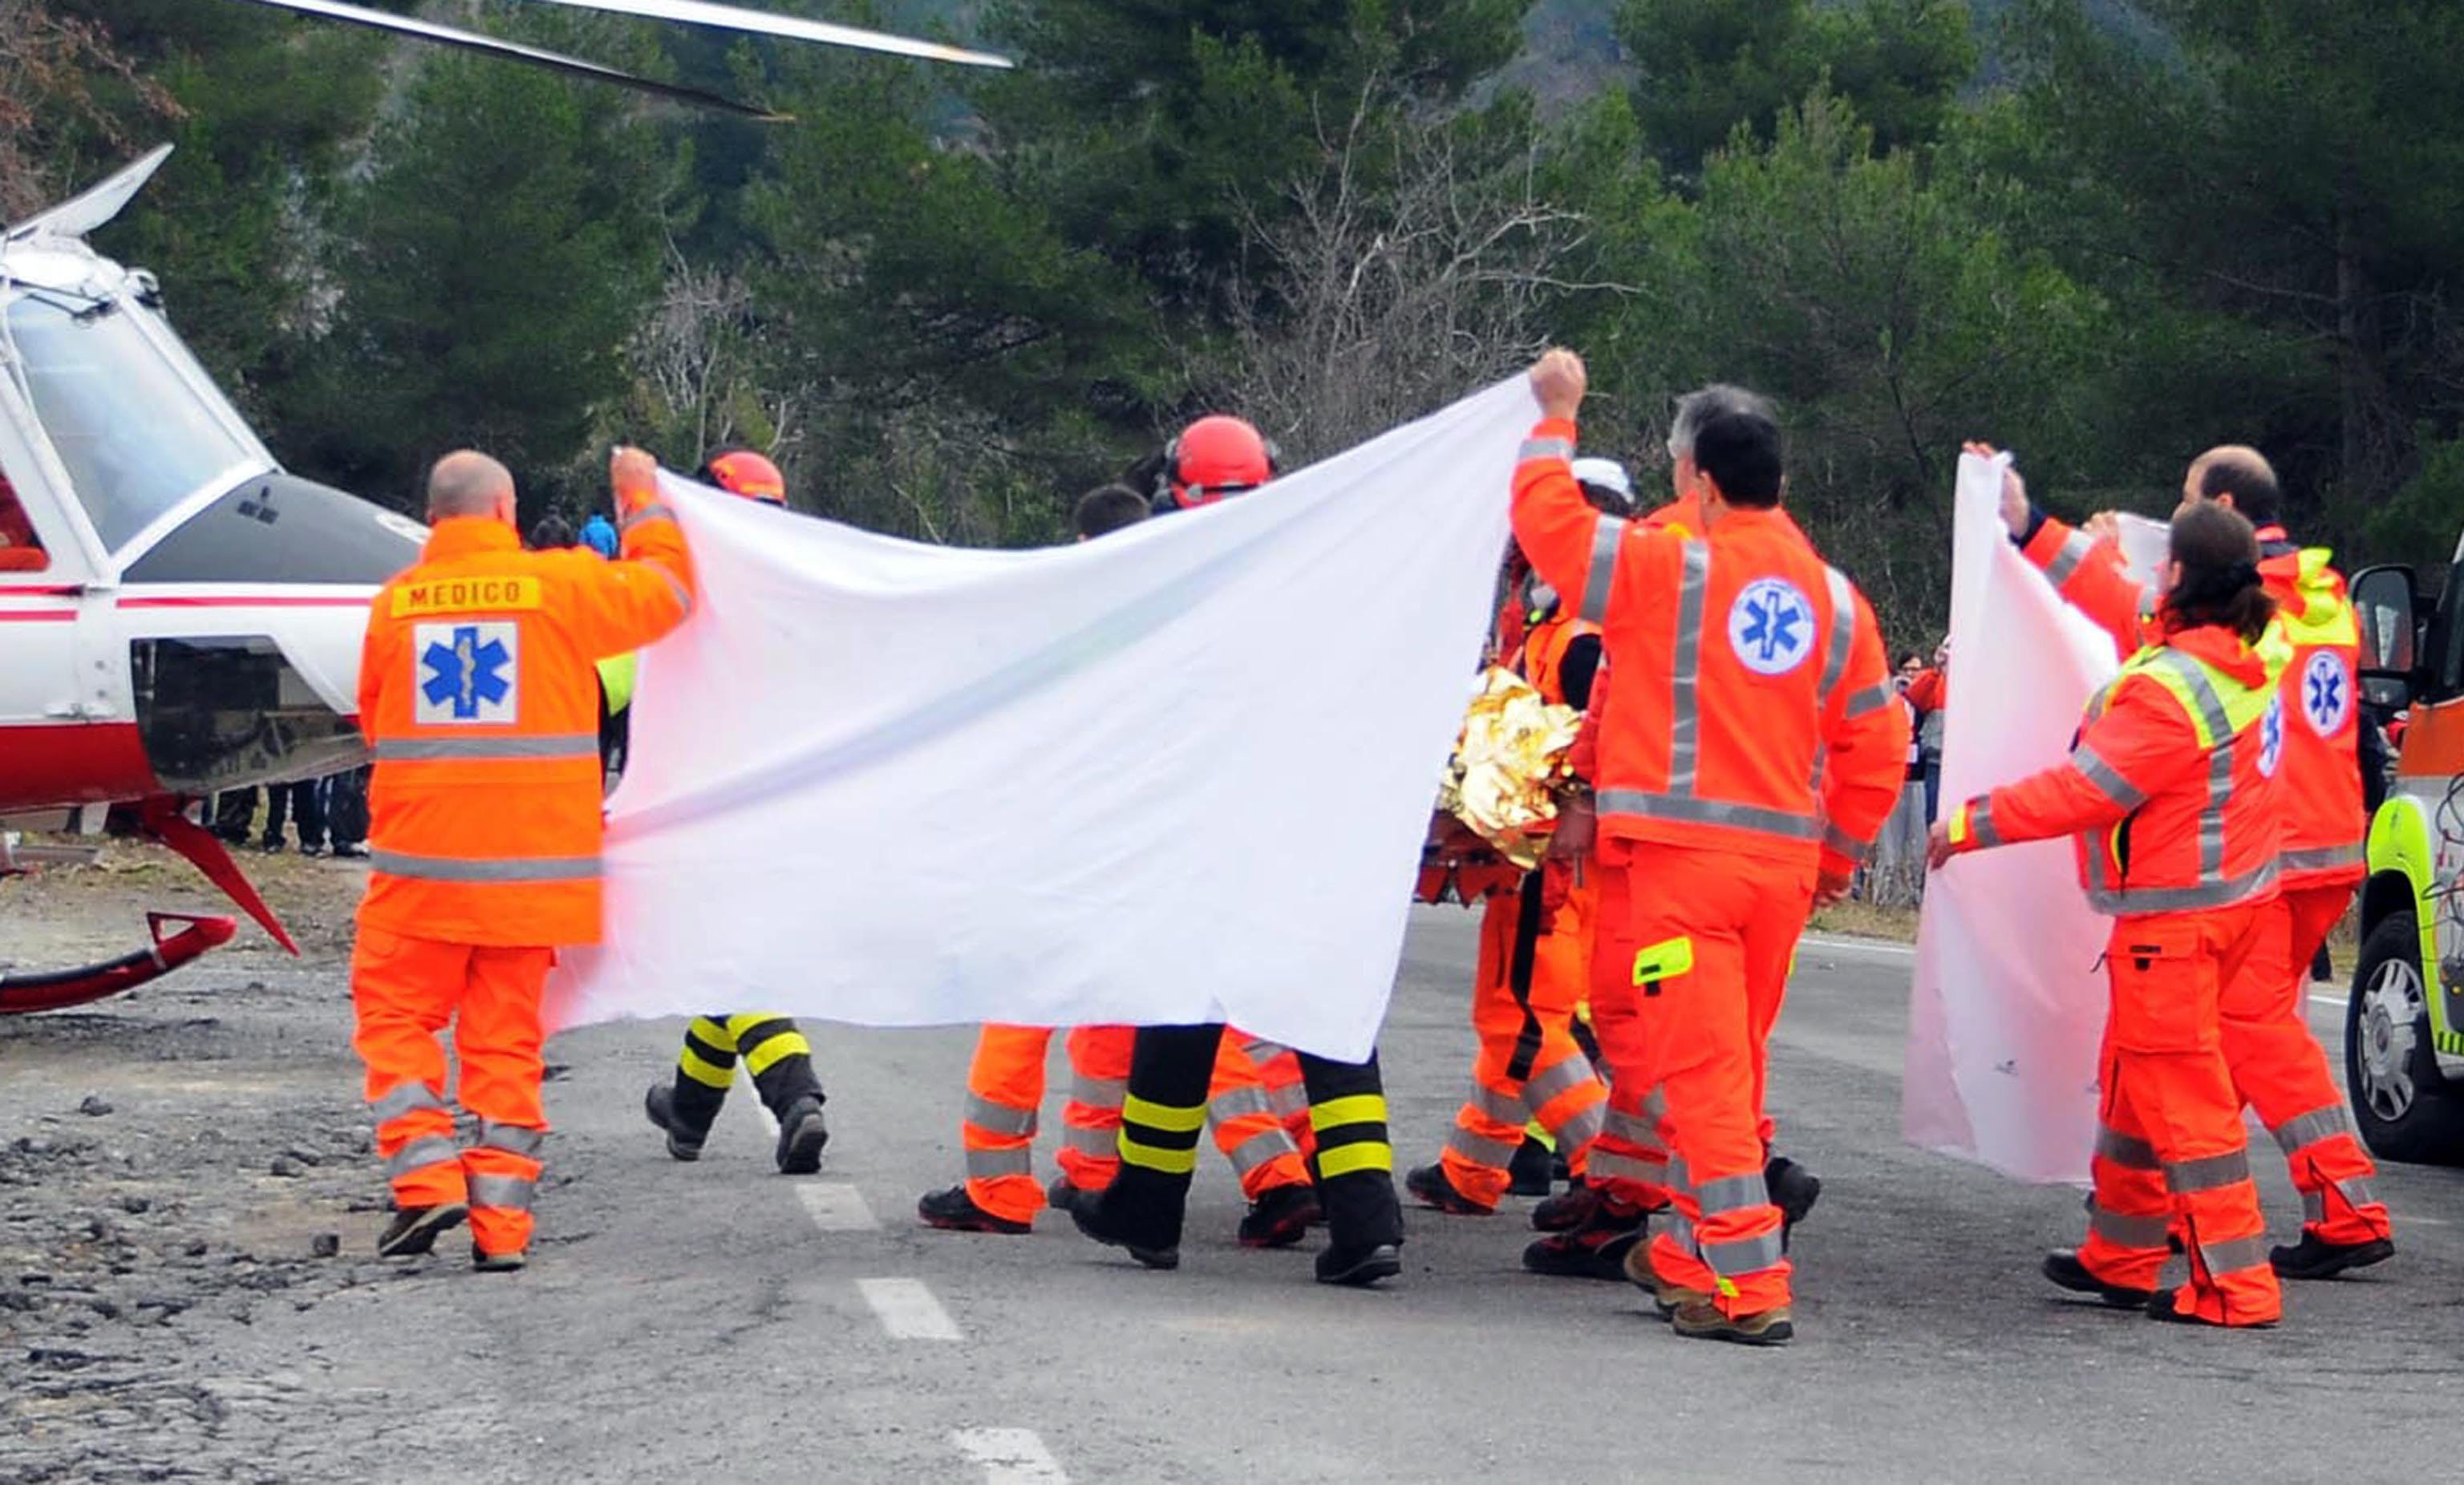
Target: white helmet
{"points": [[1608, 477]]}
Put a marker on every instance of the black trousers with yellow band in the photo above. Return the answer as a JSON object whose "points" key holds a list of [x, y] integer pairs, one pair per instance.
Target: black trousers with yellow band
{"points": [[772, 1050], [1164, 1117]]}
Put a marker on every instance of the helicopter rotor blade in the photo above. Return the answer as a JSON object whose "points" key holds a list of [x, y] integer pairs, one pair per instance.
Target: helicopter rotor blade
{"points": [[514, 51], [95, 204], [733, 17]]}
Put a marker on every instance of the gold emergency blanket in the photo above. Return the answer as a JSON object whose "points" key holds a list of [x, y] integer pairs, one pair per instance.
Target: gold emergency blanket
{"points": [[1503, 779]]}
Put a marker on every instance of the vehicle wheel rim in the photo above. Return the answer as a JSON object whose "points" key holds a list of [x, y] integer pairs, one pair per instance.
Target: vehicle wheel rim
{"points": [[2392, 1008]]}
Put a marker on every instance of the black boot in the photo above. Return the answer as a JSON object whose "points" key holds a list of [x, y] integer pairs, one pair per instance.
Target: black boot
{"points": [[1280, 1216], [684, 1139], [952, 1210], [2063, 1267], [1137, 1214], [1563, 1213], [1793, 1190], [1596, 1250], [1364, 1216], [414, 1230], [2314, 1257], [1533, 1169], [801, 1134]]}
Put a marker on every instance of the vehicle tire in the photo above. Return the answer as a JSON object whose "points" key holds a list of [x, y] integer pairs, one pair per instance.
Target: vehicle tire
{"points": [[2403, 1108]]}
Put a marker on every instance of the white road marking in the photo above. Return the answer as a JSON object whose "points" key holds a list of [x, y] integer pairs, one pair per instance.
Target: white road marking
{"points": [[1009, 1456], [907, 1310], [836, 1207], [1871, 946]]}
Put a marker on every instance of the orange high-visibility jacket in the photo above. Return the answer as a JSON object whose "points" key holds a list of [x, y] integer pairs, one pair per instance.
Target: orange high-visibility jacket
{"points": [[479, 698], [1752, 709], [2170, 787], [1684, 517], [1544, 654], [2326, 819]]}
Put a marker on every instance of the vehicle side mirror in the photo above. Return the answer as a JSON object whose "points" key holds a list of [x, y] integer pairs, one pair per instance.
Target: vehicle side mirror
{"points": [[2384, 601]]}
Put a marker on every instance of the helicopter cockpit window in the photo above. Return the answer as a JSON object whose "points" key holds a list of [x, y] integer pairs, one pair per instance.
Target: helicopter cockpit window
{"points": [[134, 437], [21, 551]]}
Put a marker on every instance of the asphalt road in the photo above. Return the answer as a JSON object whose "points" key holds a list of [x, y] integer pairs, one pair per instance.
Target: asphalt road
{"points": [[716, 1320]]}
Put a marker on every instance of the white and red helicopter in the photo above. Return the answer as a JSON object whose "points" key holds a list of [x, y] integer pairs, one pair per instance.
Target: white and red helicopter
{"points": [[177, 614]]}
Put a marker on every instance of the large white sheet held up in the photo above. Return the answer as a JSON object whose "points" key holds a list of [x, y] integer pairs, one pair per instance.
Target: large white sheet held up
{"points": [[1177, 775], [2009, 1001]]}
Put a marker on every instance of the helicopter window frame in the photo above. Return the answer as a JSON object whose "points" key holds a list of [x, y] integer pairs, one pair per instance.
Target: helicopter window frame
{"points": [[26, 462], [208, 416]]}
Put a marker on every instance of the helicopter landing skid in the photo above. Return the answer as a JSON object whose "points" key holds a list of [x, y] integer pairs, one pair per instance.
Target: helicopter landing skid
{"points": [[56, 989]]}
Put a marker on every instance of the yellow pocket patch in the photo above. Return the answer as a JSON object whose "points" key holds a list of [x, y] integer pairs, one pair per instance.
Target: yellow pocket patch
{"points": [[1665, 961], [502, 595]]}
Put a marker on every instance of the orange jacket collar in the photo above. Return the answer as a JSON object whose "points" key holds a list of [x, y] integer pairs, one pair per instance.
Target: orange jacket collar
{"points": [[461, 536], [2224, 649]]}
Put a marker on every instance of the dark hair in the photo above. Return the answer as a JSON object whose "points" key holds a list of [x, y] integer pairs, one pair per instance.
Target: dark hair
{"points": [[2220, 585], [2245, 475], [1911, 658], [1107, 509], [1741, 452], [551, 531]]}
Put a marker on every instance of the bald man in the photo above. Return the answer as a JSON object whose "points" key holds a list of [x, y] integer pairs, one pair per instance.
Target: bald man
{"points": [[479, 699]]}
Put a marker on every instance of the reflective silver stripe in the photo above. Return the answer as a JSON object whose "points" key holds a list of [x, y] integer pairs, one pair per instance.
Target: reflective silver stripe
{"points": [[2106, 778], [2321, 857], [2207, 1173], [2234, 1254], [1676, 1174], [1261, 1148], [1098, 1092], [648, 512], [1608, 539], [1480, 1152], [1684, 704], [1842, 844], [2177, 899], [1636, 1128], [2212, 814], [1871, 699], [552, 745], [2194, 678], [1682, 1232], [1498, 1107], [511, 1138], [401, 1099], [1287, 1098], [1236, 1103], [1545, 448], [1980, 823], [1688, 810], [475, 868], [2146, 602], [430, 1150], [1556, 1080], [2314, 1206], [1655, 1107], [1580, 1130], [2073, 550], [2128, 1232], [1091, 1142], [2309, 1128], [676, 586], [999, 1118], [1608, 1164], [2125, 1151], [1732, 1194], [1843, 635], [1263, 1051], [985, 1164], [505, 1193], [2359, 1191], [1745, 1255]]}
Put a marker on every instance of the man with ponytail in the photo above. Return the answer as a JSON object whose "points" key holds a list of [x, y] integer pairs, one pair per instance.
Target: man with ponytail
{"points": [[2171, 792]]}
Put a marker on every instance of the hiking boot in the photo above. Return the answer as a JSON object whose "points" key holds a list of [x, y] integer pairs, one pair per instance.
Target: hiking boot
{"points": [[2167, 1307], [1563, 1213], [660, 1104], [1532, 1172], [1429, 1183], [1700, 1320], [801, 1134], [1596, 1250], [1793, 1190], [1361, 1267], [1091, 1216], [1280, 1216], [1666, 1298], [2314, 1258], [954, 1210], [483, 1261], [414, 1230], [2063, 1267]]}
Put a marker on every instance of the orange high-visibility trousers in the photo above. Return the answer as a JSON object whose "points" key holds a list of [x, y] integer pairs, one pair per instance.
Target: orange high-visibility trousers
{"points": [[1279, 1069], [1528, 1065], [404, 991], [2281, 1071], [1713, 933], [2171, 1156], [1628, 1164]]}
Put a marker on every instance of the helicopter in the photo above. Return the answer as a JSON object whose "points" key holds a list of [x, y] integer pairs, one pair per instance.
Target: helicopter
{"points": [[179, 615]]}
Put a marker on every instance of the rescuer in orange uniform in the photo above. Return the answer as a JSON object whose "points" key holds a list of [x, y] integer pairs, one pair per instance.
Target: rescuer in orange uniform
{"points": [[1535, 947], [2279, 1068], [772, 1047], [1005, 1091], [1751, 748], [2171, 789], [480, 700]]}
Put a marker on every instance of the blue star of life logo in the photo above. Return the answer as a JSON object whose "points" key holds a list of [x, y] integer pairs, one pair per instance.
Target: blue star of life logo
{"points": [[468, 672], [1771, 626], [2326, 693], [2271, 737]]}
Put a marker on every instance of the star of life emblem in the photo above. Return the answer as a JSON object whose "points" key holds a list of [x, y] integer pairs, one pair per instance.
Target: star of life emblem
{"points": [[2271, 736], [1771, 626], [2326, 693], [466, 673]]}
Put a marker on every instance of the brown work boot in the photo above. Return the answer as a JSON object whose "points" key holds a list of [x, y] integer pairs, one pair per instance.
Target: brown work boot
{"points": [[1667, 1297], [1700, 1320]]}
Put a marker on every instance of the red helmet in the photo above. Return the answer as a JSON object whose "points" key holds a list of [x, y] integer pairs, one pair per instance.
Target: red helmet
{"points": [[1216, 456], [740, 471]]}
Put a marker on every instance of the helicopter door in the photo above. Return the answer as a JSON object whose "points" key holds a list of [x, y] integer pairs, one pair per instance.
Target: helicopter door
{"points": [[41, 572]]}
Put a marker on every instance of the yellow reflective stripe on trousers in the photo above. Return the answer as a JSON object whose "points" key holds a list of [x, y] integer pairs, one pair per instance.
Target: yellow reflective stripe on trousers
{"points": [[1351, 1159], [1170, 1162], [760, 1056], [1359, 1109], [1163, 1116], [701, 1070]]}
